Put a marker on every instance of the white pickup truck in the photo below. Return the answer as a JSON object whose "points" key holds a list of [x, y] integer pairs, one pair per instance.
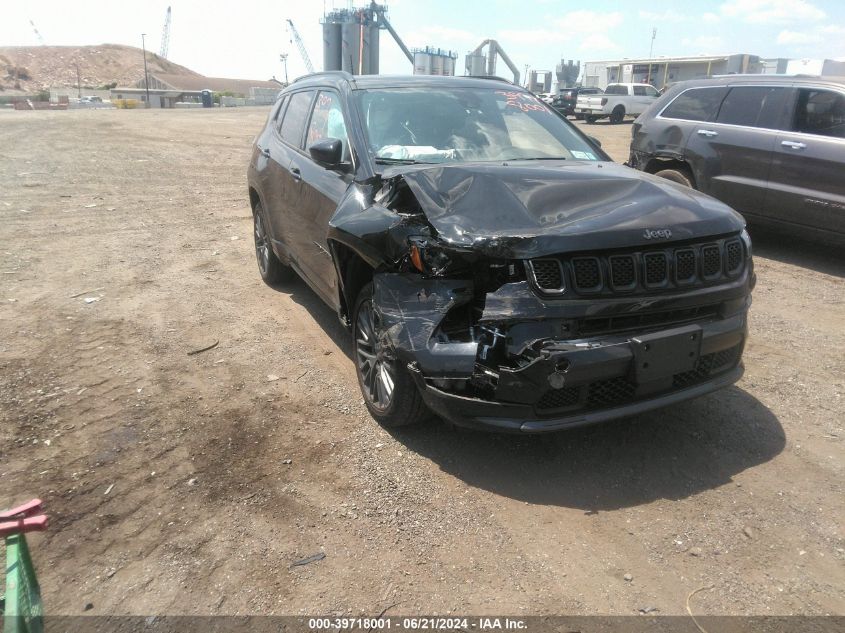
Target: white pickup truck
{"points": [[617, 102]]}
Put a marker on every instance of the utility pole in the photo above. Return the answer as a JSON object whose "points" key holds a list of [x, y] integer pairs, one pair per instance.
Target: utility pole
{"points": [[146, 76], [78, 83], [651, 52], [284, 59]]}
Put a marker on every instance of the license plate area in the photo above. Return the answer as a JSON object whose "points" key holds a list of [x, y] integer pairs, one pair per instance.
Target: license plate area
{"points": [[666, 353]]}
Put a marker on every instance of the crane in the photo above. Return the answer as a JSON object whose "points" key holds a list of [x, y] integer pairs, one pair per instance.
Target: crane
{"points": [[37, 34], [165, 36], [300, 46]]}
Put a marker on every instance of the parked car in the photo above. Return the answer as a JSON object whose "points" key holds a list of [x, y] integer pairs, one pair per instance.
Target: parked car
{"points": [[493, 264], [771, 147], [617, 102], [568, 97]]}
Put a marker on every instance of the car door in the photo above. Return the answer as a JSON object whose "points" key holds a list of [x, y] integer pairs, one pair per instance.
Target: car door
{"points": [[286, 157], [731, 155], [322, 190], [806, 185]]}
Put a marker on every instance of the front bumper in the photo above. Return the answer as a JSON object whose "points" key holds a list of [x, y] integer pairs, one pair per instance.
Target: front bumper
{"points": [[609, 380]]}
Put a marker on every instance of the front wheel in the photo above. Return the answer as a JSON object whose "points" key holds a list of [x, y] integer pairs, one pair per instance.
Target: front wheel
{"points": [[590, 119], [675, 175], [388, 389], [618, 115]]}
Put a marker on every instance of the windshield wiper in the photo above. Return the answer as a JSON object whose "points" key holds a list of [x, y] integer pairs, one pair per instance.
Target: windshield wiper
{"points": [[384, 160], [541, 158]]}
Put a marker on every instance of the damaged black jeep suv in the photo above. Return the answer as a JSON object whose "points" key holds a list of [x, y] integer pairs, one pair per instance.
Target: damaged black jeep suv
{"points": [[494, 266]]}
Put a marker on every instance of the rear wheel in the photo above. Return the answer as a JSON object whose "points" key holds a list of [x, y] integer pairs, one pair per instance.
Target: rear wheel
{"points": [[388, 389], [271, 269], [676, 175], [618, 114]]}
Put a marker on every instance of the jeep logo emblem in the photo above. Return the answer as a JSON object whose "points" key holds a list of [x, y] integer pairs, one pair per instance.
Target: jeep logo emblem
{"points": [[657, 234]]}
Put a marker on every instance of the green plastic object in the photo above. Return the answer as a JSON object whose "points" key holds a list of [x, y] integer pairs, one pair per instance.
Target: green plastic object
{"points": [[21, 605]]}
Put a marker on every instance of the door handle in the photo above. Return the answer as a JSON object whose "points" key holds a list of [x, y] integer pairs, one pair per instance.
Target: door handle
{"points": [[793, 144], [708, 133], [297, 175], [264, 150]]}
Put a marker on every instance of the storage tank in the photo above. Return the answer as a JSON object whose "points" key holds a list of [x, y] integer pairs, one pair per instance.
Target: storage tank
{"points": [[374, 48], [422, 63], [332, 50], [436, 64], [350, 38], [476, 64], [449, 66]]}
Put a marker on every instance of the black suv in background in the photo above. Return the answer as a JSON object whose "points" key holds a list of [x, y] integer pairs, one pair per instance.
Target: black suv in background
{"points": [[771, 147], [494, 265], [568, 97]]}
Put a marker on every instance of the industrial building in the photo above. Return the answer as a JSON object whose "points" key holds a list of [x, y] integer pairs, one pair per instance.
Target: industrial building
{"points": [[168, 90], [662, 71], [434, 61]]}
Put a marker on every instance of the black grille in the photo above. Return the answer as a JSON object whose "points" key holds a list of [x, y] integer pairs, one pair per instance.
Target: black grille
{"points": [[733, 255], [620, 323], [548, 273], [587, 273], [707, 365], [605, 393], [711, 260], [643, 271], [559, 398], [620, 390], [685, 265], [655, 269], [622, 272]]}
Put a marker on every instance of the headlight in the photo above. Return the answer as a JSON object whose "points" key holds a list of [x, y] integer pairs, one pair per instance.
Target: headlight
{"points": [[746, 238], [427, 257]]}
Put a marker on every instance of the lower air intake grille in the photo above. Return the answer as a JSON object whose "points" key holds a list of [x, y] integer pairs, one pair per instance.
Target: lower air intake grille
{"points": [[559, 398], [610, 392]]}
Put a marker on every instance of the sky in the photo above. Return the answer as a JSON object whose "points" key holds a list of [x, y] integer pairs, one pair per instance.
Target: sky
{"points": [[244, 39]]}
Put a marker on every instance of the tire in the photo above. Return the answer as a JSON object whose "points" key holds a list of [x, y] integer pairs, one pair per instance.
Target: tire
{"points": [[675, 175], [400, 406], [590, 119], [618, 114], [579, 117], [272, 271]]}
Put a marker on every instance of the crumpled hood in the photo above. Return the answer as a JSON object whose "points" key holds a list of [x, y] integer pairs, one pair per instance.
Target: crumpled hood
{"points": [[527, 209]]}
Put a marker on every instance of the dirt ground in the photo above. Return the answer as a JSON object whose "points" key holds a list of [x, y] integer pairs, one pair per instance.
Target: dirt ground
{"points": [[189, 484]]}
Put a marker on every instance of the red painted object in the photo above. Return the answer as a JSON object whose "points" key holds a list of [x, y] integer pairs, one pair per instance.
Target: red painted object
{"points": [[23, 519]]}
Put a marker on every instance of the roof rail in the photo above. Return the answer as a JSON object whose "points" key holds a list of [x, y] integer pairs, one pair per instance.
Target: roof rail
{"points": [[490, 77], [338, 73]]}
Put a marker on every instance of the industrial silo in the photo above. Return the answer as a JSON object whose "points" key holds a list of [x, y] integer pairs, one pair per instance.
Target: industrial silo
{"points": [[436, 64], [476, 64], [374, 48], [351, 39], [422, 63], [332, 47], [449, 66]]}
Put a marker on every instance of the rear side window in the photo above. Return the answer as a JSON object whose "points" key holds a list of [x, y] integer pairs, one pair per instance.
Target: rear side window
{"points": [[696, 104], [293, 124], [754, 106], [280, 111], [820, 112], [615, 89]]}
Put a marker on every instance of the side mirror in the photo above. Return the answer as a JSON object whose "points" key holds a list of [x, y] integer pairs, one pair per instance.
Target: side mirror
{"points": [[328, 152], [594, 141]]}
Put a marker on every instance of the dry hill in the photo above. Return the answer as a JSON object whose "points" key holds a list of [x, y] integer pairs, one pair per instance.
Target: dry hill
{"points": [[28, 69]]}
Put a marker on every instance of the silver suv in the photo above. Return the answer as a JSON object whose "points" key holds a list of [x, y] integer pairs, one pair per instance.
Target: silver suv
{"points": [[771, 147]]}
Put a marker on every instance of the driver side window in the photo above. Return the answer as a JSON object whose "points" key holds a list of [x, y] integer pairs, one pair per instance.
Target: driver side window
{"points": [[327, 121]]}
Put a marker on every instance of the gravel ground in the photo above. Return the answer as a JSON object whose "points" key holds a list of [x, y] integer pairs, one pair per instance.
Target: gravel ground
{"points": [[190, 484]]}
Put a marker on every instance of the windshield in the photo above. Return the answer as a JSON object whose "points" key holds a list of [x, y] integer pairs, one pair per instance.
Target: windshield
{"points": [[429, 125]]}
